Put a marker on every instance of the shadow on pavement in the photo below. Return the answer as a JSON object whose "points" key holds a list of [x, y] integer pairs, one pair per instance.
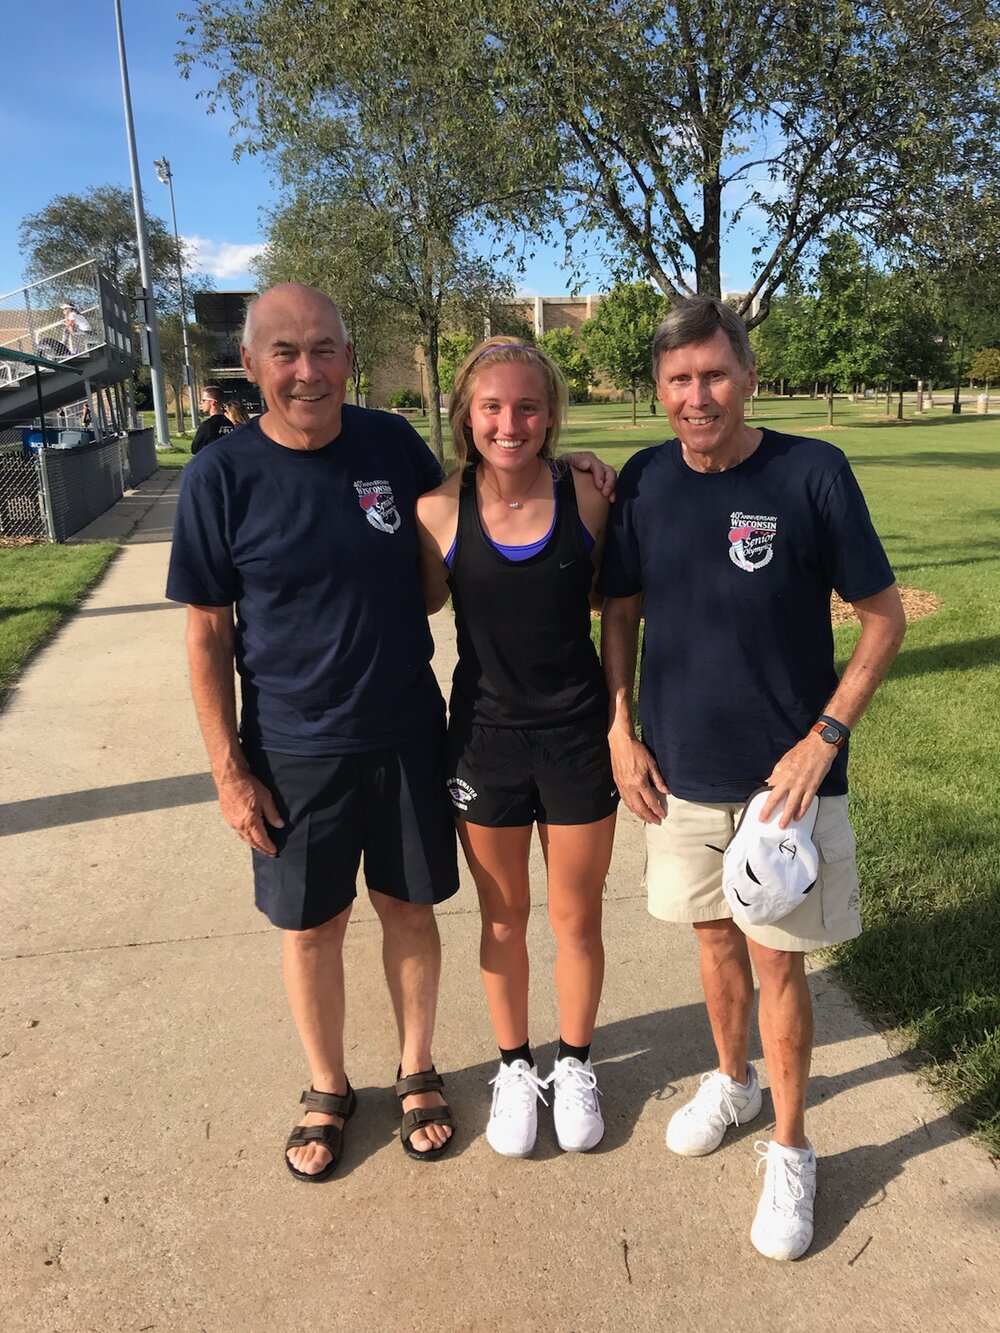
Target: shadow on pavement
{"points": [[129, 798]]}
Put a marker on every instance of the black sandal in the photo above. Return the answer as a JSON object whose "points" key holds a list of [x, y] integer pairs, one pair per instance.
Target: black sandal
{"points": [[330, 1136], [428, 1080]]}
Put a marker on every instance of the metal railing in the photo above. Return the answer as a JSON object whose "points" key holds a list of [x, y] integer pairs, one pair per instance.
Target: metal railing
{"points": [[32, 321]]}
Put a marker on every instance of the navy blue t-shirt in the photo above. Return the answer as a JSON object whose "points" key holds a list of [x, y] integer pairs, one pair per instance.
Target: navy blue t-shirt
{"points": [[317, 550], [736, 570]]}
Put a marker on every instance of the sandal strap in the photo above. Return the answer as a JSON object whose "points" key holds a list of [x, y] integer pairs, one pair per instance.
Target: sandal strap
{"points": [[427, 1080], [330, 1136], [424, 1115], [329, 1103]]}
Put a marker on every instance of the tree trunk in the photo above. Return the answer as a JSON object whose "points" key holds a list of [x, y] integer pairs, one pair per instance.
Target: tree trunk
{"points": [[829, 404], [708, 271], [633, 405], [956, 406], [888, 398], [434, 391], [899, 405]]}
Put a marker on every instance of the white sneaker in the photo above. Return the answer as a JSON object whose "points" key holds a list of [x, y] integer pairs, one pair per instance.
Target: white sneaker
{"points": [[576, 1112], [783, 1225], [513, 1122], [700, 1126]]}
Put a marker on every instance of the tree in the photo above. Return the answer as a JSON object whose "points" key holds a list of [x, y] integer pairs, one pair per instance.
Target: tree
{"points": [[675, 120], [857, 323], [568, 352], [985, 367], [956, 243], [100, 224], [381, 110], [453, 349], [619, 337], [202, 347], [324, 247]]}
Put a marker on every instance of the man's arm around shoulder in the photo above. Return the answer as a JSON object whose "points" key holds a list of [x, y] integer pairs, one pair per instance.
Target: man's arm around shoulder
{"points": [[244, 801]]}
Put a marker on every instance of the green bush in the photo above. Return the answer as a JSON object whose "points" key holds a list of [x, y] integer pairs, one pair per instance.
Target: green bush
{"points": [[404, 398]]}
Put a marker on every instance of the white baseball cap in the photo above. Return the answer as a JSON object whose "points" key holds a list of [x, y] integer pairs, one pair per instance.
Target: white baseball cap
{"points": [[768, 871]]}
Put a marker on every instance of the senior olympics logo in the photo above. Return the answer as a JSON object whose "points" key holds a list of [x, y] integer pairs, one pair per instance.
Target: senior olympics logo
{"points": [[378, 504], [751, 538]]}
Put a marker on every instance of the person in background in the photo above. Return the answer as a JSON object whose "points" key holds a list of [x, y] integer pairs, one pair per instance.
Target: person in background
{"points": [[76, 326], [215, 423], [236, 413]]}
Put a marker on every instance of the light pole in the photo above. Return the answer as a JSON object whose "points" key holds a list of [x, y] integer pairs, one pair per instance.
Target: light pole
{"points": [[142, 239], [167, 177]]}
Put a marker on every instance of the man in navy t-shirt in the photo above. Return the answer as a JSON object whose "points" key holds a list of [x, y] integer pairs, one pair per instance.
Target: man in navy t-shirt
{"points": [[295, 549], [728, 541]]}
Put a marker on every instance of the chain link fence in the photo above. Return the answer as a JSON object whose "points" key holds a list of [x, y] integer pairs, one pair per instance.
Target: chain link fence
{"points": [[22, 503]]}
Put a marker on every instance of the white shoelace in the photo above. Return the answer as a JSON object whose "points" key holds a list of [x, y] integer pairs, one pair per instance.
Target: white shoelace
{"points": [[575, 1084], [785, 1178], [712, 1091], [519, 1083]]}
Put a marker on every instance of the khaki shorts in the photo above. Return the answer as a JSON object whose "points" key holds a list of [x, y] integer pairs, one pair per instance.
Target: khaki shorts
{"points": [[684, 875]]}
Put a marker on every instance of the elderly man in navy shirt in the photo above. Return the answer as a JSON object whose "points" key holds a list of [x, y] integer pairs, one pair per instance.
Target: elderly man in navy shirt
{"points": [[728, 541]]}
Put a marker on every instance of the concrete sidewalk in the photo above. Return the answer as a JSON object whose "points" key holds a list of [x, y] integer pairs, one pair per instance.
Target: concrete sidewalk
{"points": [[149, 1074]]}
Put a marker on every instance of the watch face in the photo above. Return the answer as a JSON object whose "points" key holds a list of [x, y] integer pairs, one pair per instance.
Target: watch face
{"points": [[831, 735]]}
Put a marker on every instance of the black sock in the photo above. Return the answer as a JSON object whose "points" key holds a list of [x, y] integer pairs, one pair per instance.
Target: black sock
{"points": [[519, 1053], [581, 1053]]}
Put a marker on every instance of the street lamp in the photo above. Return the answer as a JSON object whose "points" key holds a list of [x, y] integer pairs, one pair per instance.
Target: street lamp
{"points": [[142, 242], [167, 177]]}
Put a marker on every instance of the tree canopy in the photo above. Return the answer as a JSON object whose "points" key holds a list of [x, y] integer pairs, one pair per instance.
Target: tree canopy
{"points": [[99, 224], [985, 367], [619, 338], [676, 120], [380, 112], [568, 352]]}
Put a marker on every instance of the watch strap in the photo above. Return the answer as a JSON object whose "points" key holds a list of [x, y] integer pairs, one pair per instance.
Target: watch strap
{"points": [[833, 722]]}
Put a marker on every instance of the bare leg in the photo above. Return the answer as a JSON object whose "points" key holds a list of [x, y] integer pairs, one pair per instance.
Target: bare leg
{"points": [[727, 982], [498, 859], [786, 1033], [411, 956], [313, 969], [577, 857]]}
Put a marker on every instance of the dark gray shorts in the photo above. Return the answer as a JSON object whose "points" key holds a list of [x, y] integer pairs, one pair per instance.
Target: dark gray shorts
{"points": [[388, 806]]}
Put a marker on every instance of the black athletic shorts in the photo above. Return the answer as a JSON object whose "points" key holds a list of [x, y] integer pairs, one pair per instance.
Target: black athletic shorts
{"points": [[389, 806], [502, 777]]}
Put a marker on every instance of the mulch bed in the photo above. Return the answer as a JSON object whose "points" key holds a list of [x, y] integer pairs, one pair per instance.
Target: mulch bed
{"points": [[916, 604]]}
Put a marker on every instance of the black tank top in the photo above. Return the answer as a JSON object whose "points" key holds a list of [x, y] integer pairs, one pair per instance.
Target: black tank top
{"points": [[525, 656]]}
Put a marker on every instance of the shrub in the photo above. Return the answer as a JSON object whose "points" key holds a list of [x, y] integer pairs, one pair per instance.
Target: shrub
{"points": [[404, 398]]}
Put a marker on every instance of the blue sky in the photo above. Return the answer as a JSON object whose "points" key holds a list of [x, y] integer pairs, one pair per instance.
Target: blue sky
{"points": [[62, 130]]}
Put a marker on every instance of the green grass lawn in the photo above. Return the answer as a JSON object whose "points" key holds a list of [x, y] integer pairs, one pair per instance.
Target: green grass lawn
{"points": [[180, 451], [39, 586], [924, 760]]}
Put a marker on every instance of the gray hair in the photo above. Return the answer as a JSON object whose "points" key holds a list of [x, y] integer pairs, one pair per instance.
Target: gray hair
{"points": [[696, 320], [247, 332]]}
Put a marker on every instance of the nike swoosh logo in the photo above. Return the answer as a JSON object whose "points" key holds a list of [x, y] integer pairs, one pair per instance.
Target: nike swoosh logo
{"points": [[567, 564]]}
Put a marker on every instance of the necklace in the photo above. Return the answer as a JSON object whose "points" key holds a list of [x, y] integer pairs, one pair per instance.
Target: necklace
{"points": [[515, 504]]}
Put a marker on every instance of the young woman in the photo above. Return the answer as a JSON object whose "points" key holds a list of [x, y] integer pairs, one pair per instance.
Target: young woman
{"points": [[236, 412], [516, 537]]}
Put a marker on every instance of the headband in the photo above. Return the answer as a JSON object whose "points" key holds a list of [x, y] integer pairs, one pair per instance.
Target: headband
{"points": [[501, 347]]}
